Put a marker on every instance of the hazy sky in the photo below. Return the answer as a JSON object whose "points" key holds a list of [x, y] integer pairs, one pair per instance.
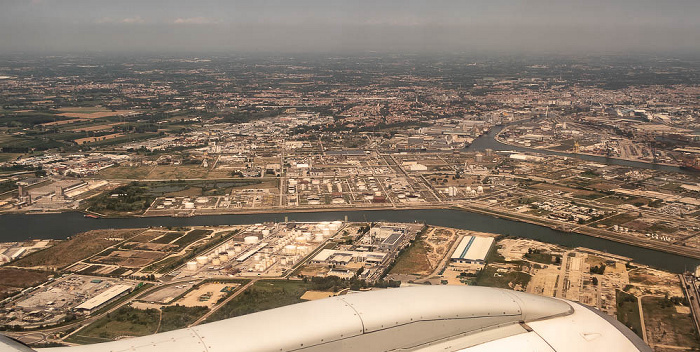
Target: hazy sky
{"points": [[481, 26]]}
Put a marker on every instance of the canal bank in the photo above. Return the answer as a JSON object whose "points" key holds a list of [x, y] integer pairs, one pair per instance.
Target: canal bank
{"points": [[18, 227], [489, 141]]}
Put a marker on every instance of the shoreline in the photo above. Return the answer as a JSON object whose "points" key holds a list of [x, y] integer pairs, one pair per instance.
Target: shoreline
{"points": [[693, 253]]}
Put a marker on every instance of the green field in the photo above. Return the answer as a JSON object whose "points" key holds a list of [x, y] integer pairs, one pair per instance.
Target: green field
{"points": [[491, 278], [168, 237], [414, 260], [191, 236], [628, 311], [263, 295], [128, 321]]}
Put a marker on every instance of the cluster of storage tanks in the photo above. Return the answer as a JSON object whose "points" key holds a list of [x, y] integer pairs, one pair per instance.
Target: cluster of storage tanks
{"points": [[220, 255], [292, 247], [263, 261], [295, 185]]}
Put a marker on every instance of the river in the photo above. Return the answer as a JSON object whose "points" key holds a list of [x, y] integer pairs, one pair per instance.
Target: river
{"points": [[17, 227]]}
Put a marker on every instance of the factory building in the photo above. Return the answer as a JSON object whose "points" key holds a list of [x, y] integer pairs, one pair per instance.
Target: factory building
{"points": [[392, 242], [99, 301], [472, 250], [334, 257]]}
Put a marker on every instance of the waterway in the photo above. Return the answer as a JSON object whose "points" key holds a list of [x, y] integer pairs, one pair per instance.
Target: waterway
{"points": [[488, 141], [17, 227]]}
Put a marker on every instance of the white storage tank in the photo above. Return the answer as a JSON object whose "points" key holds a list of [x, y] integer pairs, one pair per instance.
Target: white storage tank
{"points": [[250, 240], [223, 257], [237, 249], [191, 266], [309, 237], [283, 261], [318, 237], [266, 232], [326, 232], [301, 239], [290, 249], [202, 259], [189, 205], [216, 261]]}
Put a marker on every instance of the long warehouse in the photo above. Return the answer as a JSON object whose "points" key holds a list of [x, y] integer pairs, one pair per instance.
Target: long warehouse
{"points": [[472, 250]]}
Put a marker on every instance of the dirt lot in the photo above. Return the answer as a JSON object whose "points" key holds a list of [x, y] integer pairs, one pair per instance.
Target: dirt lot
{"points": [[77, 248], [665, 326], [90, 113], [206, 295], [16, 279], [130, 259]]}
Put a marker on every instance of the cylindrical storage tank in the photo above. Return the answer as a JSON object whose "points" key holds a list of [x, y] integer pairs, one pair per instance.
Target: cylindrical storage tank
{"points": [[326, 232], [309, 237], [216, 261], [224, 257], [189, 205], [256, 257], [283, 261], [318, 237], [250, 239], [290, 249], [480, 189], [266, 232], [302, 250], [301, 239], [202, 259], [191, 266], [237, 249]]}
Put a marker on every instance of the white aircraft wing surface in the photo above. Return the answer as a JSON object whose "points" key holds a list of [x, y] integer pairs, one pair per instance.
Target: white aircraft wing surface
{"points": [[428, 318]]}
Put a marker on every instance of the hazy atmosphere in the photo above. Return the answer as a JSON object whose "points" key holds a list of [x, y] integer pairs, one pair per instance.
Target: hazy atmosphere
{"points": [[350, 26]]}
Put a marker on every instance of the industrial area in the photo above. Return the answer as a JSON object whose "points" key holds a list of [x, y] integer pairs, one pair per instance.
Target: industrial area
{"points": [[201, 274]]}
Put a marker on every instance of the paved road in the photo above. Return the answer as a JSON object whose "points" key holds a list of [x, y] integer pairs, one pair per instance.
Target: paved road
{"points": [[641, 319], [562, 275], [691, 293]]}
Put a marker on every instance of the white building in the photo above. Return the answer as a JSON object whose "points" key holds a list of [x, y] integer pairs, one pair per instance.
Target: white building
{"points": [[472, 250]]}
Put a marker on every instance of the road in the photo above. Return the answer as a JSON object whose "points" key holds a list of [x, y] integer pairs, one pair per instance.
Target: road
{"points": [[562, 275], [641, 319], [691, 293]]}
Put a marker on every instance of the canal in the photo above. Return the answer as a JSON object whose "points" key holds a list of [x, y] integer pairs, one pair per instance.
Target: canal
{"points": [[488, 141], [18, 227]]}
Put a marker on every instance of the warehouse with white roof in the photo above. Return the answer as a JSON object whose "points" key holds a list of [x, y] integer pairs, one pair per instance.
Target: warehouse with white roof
{"points": [[103, 298], [472, 250]]}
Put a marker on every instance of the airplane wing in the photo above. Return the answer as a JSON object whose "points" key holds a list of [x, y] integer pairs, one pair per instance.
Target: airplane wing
{"points": [[426, 319]]}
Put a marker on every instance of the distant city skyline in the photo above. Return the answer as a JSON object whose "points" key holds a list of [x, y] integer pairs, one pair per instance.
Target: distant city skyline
{"points": [[613, 26]]}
